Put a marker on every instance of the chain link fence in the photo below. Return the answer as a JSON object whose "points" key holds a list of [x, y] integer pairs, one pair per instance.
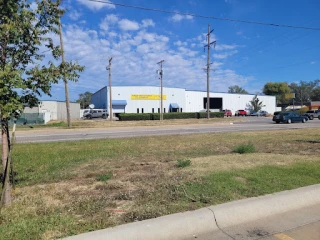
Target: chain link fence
{"points": [[29, 118]]}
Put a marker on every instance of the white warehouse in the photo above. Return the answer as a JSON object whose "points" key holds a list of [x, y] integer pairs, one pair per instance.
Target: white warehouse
{"points": [[146, 99]]}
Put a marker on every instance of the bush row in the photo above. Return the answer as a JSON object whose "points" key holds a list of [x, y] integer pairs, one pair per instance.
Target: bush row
{"points": [[176, 115]]}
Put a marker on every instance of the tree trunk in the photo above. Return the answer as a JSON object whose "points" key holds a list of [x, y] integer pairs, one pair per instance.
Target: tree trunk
{"points": [[5, 154]]}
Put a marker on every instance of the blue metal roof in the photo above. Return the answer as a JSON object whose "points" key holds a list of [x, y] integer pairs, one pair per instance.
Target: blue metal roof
{"points": [[119, 102], [174, 105]]}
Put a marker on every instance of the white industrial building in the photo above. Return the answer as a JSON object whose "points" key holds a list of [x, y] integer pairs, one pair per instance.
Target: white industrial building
{"points": [[146, 99], [55, 110]]}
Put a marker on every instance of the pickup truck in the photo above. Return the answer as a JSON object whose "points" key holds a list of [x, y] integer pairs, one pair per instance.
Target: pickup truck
{"points": [[241, 113], [312, 114]]}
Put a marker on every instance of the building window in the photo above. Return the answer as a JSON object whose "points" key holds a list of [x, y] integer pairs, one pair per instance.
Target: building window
{"points": [[164, 110], [137, 110], [141, 110], [152, 110], [158, 110]]}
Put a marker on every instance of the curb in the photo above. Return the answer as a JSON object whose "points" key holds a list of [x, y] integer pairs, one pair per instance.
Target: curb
{"points": [[253, 209], [215, 222]]}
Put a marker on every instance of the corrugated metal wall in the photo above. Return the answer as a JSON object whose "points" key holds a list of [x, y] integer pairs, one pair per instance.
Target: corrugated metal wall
{"points": [[234, 102], [100, 98], [56, 109], [173, 95], [189, 101], [62, 110]]}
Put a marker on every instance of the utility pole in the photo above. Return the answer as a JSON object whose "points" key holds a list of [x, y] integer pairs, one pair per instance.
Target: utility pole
{"points": [[110, 88], [208, 69], [64, 77], [161, 91]]}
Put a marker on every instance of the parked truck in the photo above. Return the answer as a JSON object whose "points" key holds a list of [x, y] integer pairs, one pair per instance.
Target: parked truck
{"points": [[311, 114]]}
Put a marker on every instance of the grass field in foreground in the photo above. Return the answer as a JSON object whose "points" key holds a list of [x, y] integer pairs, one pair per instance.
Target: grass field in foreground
{"points": [[73, 187]]}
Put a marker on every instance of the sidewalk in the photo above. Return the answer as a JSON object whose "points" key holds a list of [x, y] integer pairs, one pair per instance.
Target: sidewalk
{"points": [[251, 218]]}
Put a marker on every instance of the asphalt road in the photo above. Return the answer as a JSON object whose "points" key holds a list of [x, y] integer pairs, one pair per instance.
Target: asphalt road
{"points": [[307, 232], [252, 124]]}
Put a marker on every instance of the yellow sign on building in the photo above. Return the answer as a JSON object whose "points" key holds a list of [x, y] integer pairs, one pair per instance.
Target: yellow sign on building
{"points": [[147, 97]]}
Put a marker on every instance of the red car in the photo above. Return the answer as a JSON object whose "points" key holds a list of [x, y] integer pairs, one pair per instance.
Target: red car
{"points": [[227, 113], [241, 113]]}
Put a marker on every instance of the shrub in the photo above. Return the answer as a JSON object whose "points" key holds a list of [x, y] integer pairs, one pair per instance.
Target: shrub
{"points": [[134, 116], [245, 148], [303, 110], [182, 163], [104, 177], [212, 115], [174, 115]]}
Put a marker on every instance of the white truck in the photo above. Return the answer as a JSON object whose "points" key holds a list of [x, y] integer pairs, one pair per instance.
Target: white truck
{"points": [[95, 113], [311, 114]]}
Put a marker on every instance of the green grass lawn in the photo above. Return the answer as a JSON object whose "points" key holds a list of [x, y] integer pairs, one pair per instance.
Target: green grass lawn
{"points": [[68, 188]]}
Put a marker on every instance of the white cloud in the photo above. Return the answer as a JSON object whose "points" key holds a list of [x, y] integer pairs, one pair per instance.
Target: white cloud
{"points": [[224, 55], [135, 56], [221, 47], [239, 33], [313, 62], [112, 18], [104, 25], [96, 5], [179, 43], [108, 21], [112, 34], [179, 17], [127, 25], [147, 23], [187, 52], [74, 15], [149, 37]]}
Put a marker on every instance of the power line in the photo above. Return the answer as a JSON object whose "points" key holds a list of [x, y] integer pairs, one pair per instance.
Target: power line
{"points": [[206, 17]]}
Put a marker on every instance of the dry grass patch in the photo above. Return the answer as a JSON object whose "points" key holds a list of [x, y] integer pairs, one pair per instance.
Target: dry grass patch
{"points": [[231, 162]]}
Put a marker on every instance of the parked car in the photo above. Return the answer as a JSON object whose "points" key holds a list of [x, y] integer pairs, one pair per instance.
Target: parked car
{"points": [[259, 113], [254, 114], [263, 113], [312, 114], [95, 113], [289, 117], [227, 113], [241, 113]]}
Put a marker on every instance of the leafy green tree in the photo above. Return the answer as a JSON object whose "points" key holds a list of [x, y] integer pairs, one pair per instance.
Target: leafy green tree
{"points": [[256, 104], [315, 95], [278, 89], [303, 91], [237, 89], [23, 74], [84, 99]]}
